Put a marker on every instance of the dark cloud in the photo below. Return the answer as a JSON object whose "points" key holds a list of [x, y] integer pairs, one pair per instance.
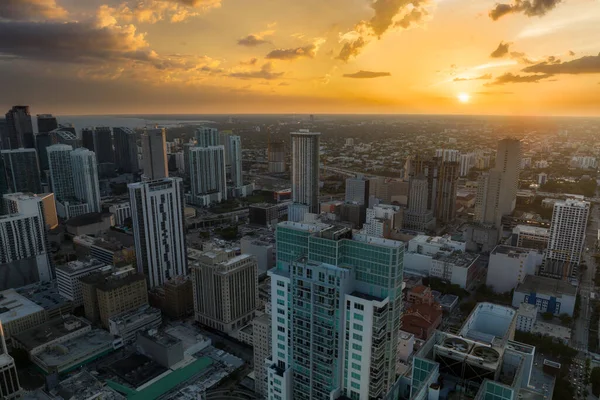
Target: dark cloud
{"points": [[252, 41], [251, 61], [309, 51], [351, 49], [366, 75], [571, 53], [266, 72], [501, 50], [512, 78], [415, 16], [26, 10], [387, 10], [531, 8], [481, 77], [197, 3], [521, 57], [583, 65]]}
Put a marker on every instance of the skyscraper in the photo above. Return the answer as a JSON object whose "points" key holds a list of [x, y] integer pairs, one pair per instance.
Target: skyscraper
{"points": [[103, 145], [158, 228], [567, 237], [207, 174], [46, 123], [87, 138], [10, 388], [154, 154], [42, 141], [442, 178], [276, 157], [206, 137], [225, 141], [337, 303], [22, 171], [235, 156], [19, 132], [125, 149], [358, 190], [497, 189], [418, 217], [85, 178], [61, 172], [225, 289], [305, 169]]}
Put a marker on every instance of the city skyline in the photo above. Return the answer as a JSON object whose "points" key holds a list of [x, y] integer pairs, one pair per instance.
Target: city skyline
{"points": [[359, 56]]}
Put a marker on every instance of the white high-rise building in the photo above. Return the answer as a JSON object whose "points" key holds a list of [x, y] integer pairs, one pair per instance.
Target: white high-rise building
{"points": [[154, 154], [235, 156], [61, 171], [305, 169], [158, 228], [207, 174], [382, 219], [224, 141], [85, 178], [448, 155], [467, 161], [567, 237], [24, 253], [207, 137]]}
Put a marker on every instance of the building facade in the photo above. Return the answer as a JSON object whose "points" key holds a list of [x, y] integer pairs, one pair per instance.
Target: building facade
{"points": [[305, 169], [9, 378], [508, 266], [261, 342], [61, 171], [154, 154], [157, 212], [125, 149], [358, 190], [85, 178], [19, 129], [22, 170], [235, 155], [208, 176], [68, 277]]}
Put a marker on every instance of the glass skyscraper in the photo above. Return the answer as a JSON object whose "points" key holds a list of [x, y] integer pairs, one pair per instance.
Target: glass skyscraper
{"points": [[336, 304]]}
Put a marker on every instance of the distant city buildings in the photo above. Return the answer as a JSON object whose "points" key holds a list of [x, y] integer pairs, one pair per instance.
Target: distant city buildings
{"points": [[19, 129], [158, 228], [358, 190], [208, 175], [126, 156], [154, 154], [305, 173]]}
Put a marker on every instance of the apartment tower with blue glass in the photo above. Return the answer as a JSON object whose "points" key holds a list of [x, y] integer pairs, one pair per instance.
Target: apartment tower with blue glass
{"points": [[336, 306]]}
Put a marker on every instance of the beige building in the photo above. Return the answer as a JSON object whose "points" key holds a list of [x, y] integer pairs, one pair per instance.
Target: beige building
{"points": [[174, 298], [107, 294], [261, 342], [225, 289], [18, 314]]}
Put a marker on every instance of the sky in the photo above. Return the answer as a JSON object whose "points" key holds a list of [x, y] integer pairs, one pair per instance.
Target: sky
{"points": [[515, 57]]}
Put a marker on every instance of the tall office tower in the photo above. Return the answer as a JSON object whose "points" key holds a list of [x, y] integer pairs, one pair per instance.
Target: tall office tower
{"points": [[158, 228], [61, 173], [103, 145], [235, 155], [497, 189], [206, 137], [358, 190], [10, 387], [24, 253], [22, 171], [126, 149], [207, 175], [225, 289], [305, 169], [87, 138], [46, 123], [187, 147], [567, 237], [19, 129], [446, 193], [85, 178], [276, 157], [42, 141], [154, 154], [418, 217], [336, 305], [225, 141]]}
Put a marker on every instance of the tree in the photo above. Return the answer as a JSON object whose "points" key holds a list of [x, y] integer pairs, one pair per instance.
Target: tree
{"points": [[565, 319], [547, 316]]}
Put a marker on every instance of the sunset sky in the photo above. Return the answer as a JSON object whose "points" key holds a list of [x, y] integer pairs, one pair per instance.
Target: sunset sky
{"points": [[522, 57]]}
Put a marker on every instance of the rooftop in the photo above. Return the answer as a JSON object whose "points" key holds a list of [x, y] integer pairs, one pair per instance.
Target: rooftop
{"points": [[44, 294], [85, 386], [511, 251], [161, 338], [13, 306], [107, 282], [51, 330], [87, 219], [527, 310], [549, 286], [73, 267], [531, 230], [552, 330], [79, 348], [458, 258], [135, 315]]}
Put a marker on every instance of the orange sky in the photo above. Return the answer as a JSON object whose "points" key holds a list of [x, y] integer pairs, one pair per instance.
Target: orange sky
{"points": [[310, 56]]}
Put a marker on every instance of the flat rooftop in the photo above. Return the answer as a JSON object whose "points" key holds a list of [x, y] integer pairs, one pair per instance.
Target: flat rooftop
{"points": [[79, 349], [532, 230], [459, 259], [87, 219], [44, 294], [161, 338], [549, 286], [135, 315], [13, 306], [73, 267], [85, 386], [511, 250], [51, 330]]}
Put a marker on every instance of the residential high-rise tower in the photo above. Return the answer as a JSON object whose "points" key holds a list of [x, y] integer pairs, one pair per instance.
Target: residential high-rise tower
{"points": [[154, 154], [207, 174], [305, 169], [125, 149], [85, 178]]}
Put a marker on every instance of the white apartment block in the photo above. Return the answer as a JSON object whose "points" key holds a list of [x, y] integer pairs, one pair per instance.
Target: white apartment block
{"points": [[68, 275], [508, 266], [85, 178], [122, 211], [208, 176]]}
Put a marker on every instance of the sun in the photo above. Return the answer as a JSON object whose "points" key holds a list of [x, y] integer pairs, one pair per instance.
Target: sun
{"points": [[463, 97]]}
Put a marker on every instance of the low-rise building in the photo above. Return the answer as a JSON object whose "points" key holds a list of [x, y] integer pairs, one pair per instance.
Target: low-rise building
{"points": [[18, 313], [175, 298], [128, 324], [406, 346], [458, 268], [163, 348], [531, 237], [68, 278], [121, 211], [422, 320], [431, 245], [90, 224], [526, 317], [263, 249], [267, 214], [420, 295], [51, 333], [85, 386], [508, 266], [67, 356], [547, 294], [558, 332], [46, 295], [246, 334]]}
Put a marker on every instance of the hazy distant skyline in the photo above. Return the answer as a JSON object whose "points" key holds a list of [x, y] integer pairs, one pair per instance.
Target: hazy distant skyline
{"points": [[70, 57]]}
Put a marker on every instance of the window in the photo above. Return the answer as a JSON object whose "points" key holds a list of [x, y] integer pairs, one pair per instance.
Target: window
{"points": [[355, 385], [356, 346], [280, 293], [280, 302], [356, 366], [281, 346], [356, 357], [281, 311], [357, 327], [281, 329], [355, 376], [281, 320], [356, 336], [280, 284], [358, 317], [359, 306]]}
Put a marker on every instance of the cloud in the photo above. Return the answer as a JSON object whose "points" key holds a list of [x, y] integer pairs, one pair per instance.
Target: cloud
{"points": [[481, 77], [351, 49], [521, 57], [265, 72], [571, 53], [31, 10], [531, 8], [309, 51], [583, 65], [251, 61], [415, 16], [366, 74], [501, 50], [512, 78], [153, 11], [252, 41]]}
